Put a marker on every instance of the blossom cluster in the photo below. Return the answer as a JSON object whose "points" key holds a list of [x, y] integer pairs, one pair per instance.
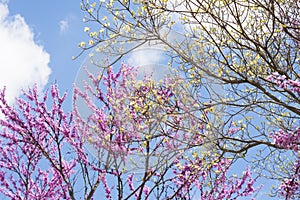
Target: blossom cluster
{"points": [[212, 180], [283, 82], [290, 186], [290, 140]]}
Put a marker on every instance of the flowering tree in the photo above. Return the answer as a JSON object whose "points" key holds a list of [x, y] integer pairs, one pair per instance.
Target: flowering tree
{"points": [[250, 48], [42, 153], [40, 148], [152, 136]]}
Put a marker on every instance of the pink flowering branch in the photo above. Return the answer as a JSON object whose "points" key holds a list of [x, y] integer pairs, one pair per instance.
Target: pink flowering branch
{"points": [[211, 181], [31, 133], [289, 140], [40, 148], [283, 82]]}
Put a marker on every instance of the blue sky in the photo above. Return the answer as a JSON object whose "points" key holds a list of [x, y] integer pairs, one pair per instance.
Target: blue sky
{"points": [[38, 41]]}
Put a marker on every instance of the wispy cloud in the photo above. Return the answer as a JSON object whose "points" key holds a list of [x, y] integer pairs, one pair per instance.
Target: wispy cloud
{"points": [[23, 62], [63, 25]]}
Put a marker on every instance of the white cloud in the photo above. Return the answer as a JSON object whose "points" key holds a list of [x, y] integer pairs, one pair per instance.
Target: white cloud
{"points": [[144, 56], [23, 62], [150, 60], [63, 25]]}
